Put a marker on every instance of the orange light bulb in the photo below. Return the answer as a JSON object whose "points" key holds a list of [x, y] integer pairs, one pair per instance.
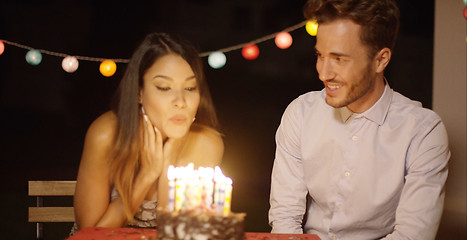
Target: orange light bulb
{"points": [[108, 68]]}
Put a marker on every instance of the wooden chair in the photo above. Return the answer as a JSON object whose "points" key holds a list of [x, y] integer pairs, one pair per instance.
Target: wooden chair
{"points": [[40, 214]]}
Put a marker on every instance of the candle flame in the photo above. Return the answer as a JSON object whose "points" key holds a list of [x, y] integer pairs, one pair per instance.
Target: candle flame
{"points": [[171, 173], [218, 175]]}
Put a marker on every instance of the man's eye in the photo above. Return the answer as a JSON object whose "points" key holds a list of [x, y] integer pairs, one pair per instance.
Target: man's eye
{"points": [[163, 88], [341, 60]]}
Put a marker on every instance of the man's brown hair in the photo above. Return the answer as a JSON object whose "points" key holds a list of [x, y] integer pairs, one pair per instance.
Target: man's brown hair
{"points": [[379, 19]]}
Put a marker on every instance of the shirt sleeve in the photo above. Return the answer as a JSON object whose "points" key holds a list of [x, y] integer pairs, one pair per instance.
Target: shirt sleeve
{"points": [[288, 190], [421, 203]]}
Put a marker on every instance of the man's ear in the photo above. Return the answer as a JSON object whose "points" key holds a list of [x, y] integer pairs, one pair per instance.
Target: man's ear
{"points": [[382, 59]]}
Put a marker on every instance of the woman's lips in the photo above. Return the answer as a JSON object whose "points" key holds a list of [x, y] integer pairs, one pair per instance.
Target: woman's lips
{"points": [[178, 119]]}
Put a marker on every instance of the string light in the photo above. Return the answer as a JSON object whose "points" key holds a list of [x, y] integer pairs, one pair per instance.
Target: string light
{"points": [[256, 41], [311, 27], [283, 40], [217, 60], [2, 47], [70, 64], [107, 67], [33, 57], [250, 52]]}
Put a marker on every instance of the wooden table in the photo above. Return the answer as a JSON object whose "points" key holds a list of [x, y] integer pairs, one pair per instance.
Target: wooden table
{"points": [[96, 233]]}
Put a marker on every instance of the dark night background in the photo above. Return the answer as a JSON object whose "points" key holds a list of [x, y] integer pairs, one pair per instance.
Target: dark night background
{"points": [[45, 111]]}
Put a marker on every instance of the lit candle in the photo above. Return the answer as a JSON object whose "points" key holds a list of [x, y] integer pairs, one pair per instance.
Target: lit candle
{"points": [[193, 194], [179, 188], [207, 186], [171, 177], [228, 196], [198, 189], [218, 190]]}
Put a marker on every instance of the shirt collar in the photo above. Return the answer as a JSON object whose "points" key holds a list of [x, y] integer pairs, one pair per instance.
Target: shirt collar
{"points": [[377, 113]]}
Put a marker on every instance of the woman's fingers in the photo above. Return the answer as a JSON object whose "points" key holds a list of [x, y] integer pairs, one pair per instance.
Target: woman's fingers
{"points": [[149, 140], [145, 131], [159, 145], [154, 145]]}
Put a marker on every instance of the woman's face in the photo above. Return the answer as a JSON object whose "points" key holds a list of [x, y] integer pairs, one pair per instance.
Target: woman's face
{"points": [[170, 95]]}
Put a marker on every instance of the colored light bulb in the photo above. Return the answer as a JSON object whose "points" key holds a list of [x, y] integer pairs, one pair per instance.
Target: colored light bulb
{"points": [[250, 52], [217, 60], [283, 40], [33, 57], [108, 68], [312, 27], [70, 64], [2, 47]]}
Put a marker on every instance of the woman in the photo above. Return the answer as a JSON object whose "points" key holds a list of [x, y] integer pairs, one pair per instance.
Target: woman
{"points": [[163, 116]]}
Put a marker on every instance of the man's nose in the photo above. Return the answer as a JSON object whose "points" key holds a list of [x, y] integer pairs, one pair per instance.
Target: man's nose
{"points": [[325, 70]]}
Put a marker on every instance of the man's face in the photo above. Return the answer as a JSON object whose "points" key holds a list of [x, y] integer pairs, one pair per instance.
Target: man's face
{"points": [[344, 67]]}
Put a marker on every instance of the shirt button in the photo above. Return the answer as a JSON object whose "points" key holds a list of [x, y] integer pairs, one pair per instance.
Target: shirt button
{"points": [[334, 238], [354, 138], [347, 174], [341, 207]]}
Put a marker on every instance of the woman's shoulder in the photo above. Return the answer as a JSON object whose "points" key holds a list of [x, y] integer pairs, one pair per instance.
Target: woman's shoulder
{"points": [[206, 145], [206, 135], [103, 128]]}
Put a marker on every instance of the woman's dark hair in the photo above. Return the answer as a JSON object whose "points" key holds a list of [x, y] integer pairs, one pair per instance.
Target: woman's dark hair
{"points": [[124, 163], [379, 19]]}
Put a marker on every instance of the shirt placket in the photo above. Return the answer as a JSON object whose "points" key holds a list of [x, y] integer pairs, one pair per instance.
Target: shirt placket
{"points": [[345, 187]]}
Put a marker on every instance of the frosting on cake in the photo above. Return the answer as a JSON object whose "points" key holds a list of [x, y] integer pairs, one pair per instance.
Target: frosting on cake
{"points": [[199, 225]]}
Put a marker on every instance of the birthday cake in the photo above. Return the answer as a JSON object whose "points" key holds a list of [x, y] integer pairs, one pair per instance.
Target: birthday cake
{"points": [[199, 207], [199, 225]]}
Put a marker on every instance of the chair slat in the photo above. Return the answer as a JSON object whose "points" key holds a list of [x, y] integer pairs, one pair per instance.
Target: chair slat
{"points": [[51, 214], [52, 188]]}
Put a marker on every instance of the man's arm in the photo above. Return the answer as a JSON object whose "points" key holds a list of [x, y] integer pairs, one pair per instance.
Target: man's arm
{"points": [[421, 204], [288, 190]]}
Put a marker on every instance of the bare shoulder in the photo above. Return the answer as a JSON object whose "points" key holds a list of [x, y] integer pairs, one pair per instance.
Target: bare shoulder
{"points": [[206, 146], [99, 139], [103, 128], [207, 138], [97, 147], [206, 135]]}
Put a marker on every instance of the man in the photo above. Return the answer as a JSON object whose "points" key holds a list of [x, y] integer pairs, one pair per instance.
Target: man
{"points": [[357, 160]]}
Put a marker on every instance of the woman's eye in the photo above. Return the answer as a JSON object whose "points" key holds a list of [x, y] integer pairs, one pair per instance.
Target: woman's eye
{"points": [[190, 89], [163, 88]]}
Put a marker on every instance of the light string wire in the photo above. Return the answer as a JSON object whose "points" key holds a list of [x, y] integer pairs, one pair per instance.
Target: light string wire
{"points": [[120, 60], [257, 41], [57, 54]]}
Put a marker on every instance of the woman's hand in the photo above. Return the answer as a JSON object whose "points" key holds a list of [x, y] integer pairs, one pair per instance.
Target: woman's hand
{"points": [[155, 153]]}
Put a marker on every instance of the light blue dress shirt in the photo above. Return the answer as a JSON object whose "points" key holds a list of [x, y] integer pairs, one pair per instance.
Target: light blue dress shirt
{"points": [[378, 174]]}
